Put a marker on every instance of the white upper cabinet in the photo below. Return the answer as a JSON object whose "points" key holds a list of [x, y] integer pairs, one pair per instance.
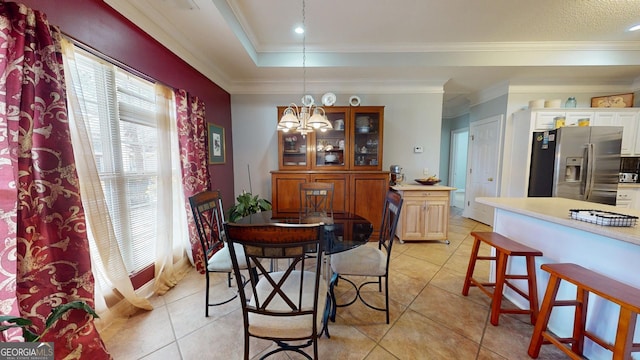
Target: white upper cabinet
{"points": [[545, 119], [626, 119], [574, 117]]}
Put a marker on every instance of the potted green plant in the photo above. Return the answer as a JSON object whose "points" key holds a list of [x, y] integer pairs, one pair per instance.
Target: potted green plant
{"points": [[56, 313], [247, 204]]}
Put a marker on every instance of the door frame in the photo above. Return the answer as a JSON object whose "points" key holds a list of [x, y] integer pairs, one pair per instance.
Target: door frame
{"points": [[454, 155], [467, 212]]}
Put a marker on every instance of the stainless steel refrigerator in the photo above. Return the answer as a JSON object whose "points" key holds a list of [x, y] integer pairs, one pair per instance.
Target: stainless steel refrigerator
{"points": [[580, 163]]}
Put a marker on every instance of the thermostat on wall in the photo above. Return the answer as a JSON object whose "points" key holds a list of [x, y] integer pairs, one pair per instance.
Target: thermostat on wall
{"points": [[417, 149]]}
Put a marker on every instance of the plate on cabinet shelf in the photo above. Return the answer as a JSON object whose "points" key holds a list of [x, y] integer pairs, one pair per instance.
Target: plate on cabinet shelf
{"points": [[307, 100], [289, 163], [328, 99]]}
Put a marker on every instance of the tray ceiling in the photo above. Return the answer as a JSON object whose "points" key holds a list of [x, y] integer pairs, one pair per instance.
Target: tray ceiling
{"points": [[460, 47]]}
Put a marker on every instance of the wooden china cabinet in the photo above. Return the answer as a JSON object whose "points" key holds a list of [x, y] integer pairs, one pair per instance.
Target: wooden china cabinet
{"points": [[349, 156]]}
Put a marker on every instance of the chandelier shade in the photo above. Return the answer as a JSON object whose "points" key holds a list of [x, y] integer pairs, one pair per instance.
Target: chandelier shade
{"points": [[319, 120], [289, 119]]}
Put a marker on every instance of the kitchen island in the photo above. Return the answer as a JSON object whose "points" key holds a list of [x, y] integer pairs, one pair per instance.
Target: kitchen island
{"points": [[545, 224], [425, 212]]}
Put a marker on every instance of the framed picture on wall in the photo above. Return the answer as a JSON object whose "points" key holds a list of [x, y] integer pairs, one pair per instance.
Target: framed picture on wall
{"points": [[216, 144], [613, 101]]}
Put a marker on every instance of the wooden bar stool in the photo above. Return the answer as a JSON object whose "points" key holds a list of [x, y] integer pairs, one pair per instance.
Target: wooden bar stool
{"points": [[505, 247], [587, 281]]}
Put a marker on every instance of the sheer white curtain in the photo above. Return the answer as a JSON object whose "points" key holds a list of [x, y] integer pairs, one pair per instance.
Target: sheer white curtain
{"points": [[112, 278], [173, 236]]}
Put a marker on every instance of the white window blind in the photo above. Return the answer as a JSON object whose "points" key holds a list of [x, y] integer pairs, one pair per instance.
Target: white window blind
{"points": [[120, 113]]}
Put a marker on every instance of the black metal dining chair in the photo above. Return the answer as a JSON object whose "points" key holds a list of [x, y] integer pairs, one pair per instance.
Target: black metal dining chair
{"points": [[283, 306], [316, 202], [367, 261], [208, 215]]}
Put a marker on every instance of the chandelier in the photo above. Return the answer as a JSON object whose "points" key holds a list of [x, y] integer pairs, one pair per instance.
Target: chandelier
{"points": [[307, 117]]}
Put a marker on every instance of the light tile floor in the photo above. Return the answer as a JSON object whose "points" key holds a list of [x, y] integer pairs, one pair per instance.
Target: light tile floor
{"points": [[430, 319]]}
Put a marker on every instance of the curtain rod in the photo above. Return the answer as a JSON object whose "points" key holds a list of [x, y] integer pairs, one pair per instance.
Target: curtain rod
{"points": [[111, 60]]}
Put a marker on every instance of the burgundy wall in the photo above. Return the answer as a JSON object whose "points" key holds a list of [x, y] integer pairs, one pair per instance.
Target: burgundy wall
{"points": [[96, 24]]}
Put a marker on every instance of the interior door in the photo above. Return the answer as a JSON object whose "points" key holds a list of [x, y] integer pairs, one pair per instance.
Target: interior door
{"points": [[485, 147]]}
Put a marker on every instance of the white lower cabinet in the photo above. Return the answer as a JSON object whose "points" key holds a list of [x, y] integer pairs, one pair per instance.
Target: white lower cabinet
{"points": [[628, 198]]}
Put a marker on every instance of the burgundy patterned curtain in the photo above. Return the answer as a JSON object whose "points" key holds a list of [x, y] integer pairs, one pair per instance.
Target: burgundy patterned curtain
{"points": [[193, 142], [43, 223]]}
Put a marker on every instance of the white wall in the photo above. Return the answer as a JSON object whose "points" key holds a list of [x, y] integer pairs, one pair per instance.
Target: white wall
{"points": [[409, 120], [253, 123]]}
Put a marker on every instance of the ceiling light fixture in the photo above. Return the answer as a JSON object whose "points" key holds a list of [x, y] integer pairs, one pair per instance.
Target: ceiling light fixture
{"points": [[634, 28], [308, 117]]}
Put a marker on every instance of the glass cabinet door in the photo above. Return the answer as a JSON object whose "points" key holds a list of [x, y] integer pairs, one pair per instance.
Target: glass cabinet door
{"points": [[293, 148], [367, 133], [331, 145]]}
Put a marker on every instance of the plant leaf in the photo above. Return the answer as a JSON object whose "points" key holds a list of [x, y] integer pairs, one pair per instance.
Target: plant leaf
{"points": [[264, 204], [58, 311], [247, 204], [29, 336], [18, 321]]}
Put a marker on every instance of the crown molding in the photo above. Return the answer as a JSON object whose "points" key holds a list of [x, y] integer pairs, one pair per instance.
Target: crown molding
{"points": [[571, 88], [173, 42], [461, 47], [340, 86]]}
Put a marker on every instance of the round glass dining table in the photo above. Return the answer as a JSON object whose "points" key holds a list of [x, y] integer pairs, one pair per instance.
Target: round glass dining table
{"points": [[347, 231]]}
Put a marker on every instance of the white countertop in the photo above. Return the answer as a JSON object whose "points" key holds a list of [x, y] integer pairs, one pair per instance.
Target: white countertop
{"points": [[556, 210], [628, 185], [419, 187]]}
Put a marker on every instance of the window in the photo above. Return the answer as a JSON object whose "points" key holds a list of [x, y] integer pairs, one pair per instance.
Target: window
{"points": [[120, 108]]}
